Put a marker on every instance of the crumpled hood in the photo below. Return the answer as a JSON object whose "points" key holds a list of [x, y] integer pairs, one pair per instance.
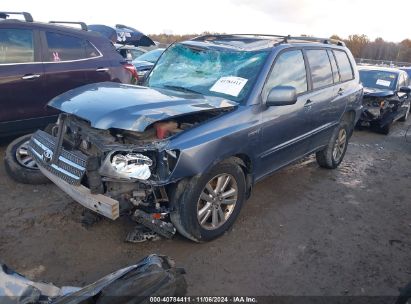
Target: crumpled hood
{"points": [[112, 105], [373, 92]]}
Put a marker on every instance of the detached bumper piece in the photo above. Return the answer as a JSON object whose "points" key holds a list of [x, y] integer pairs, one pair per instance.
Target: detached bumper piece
{"points": [[160, 227], [153, 276]]}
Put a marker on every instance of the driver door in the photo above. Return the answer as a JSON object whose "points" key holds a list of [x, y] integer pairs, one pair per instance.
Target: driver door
{"points": [[285, 129]]}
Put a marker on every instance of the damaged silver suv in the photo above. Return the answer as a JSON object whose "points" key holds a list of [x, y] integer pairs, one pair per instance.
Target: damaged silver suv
{"points": [[219, 113]]}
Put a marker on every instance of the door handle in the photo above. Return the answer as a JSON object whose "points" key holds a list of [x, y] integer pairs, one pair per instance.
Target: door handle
{"points": [[102, 69], [308, 103], [340, 91], [30, 76]]}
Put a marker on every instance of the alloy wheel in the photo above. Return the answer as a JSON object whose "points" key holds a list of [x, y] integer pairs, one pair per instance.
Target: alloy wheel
{"points": [[339, 145], [217, 201], [24, 158]]}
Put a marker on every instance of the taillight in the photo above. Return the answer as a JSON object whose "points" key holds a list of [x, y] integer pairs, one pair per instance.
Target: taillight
{"points": [[132, 69]]}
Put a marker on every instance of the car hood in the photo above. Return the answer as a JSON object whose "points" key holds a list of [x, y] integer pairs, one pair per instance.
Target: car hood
{"points": [[373, 92], [112, 105], [142, 64]]}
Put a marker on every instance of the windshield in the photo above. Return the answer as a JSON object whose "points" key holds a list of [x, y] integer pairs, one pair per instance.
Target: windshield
{"points": [[378, 79], [151, 56], [224, 73]]}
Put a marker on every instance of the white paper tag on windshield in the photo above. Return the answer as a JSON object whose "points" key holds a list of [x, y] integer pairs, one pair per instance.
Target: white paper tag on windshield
{"points": [[383, 82], [229, 85]]}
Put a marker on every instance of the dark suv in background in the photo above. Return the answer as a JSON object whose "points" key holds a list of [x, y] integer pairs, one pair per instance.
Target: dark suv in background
{"points": [[219, 113], [39, 61]]}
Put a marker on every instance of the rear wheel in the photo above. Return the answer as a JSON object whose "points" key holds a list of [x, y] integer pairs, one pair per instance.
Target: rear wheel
{"points": [[331, 156], [209, 204], [20, 165]]}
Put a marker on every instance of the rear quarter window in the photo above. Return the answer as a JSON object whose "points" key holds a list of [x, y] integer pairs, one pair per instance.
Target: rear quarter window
{"points": [[64, 47], [16, 46], [344, 65], [320, 67]]}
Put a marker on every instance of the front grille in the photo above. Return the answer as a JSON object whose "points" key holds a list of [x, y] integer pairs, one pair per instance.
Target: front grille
{"points": [[68, 165]]}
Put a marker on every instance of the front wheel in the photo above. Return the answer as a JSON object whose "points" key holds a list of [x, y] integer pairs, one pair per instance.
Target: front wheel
{"points": [[333, 154], [207, 205]]}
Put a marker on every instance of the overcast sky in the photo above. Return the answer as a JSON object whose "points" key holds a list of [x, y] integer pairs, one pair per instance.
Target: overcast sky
{"points": [[390, 20]]}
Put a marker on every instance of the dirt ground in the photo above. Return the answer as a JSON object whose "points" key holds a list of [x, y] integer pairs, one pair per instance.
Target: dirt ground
{"points": [[305, 231]]}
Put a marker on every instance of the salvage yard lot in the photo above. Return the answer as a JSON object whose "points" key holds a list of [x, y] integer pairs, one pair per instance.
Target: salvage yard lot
{"points": [[304, 231]]}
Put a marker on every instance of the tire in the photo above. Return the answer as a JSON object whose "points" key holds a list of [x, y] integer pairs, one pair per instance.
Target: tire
{"points": [[14, 159], [405, 117], [327, 158], [187, 202]]}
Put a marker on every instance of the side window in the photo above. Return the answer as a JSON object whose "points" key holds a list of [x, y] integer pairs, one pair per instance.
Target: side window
{"points": [[64, 47], [320, 67], [16, 46], [344, 65], [336, 74], [288, 70]]}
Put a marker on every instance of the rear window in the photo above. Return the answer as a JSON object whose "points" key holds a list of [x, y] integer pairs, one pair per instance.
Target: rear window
{"points": [[344, 65], [320, 67], [16, 46], [64, 47]]}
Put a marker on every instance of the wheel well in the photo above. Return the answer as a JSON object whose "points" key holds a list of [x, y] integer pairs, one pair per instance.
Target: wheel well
{"points": [[247, 166]]}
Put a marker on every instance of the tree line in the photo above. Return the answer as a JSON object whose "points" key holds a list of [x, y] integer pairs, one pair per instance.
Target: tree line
{"points": [[379, 49], [359, 44]]}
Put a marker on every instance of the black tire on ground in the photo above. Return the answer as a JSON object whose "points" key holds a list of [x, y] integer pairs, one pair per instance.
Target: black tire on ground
{"points": [[186, 195], [16, 170], [326, 158]]}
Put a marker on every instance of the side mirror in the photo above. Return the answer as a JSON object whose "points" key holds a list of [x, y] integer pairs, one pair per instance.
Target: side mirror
{"points": [[406, 90], [281, 96]]}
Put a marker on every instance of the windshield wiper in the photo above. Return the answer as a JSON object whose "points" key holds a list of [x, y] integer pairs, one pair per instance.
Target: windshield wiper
{"points": [[182, 89]]}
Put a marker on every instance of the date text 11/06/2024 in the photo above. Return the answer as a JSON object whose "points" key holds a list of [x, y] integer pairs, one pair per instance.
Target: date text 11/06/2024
{"points": [[239, 299]]}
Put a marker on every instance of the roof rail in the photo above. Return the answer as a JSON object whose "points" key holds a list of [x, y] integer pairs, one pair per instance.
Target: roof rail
{"points": [[285, 38], [316, 39], [27, 16], [82, 24]]}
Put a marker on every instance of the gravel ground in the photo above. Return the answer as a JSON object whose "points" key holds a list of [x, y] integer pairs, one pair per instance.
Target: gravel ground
{"points": [[304, 231]]}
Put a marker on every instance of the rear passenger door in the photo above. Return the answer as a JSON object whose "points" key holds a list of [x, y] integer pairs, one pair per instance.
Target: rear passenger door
{"points": [[21, 76], [67, 62], [329, 95], [323, 109]]}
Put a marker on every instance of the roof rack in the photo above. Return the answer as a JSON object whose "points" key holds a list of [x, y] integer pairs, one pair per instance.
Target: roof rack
{"points": [[284, 38], [82, 24], [27, 16]]}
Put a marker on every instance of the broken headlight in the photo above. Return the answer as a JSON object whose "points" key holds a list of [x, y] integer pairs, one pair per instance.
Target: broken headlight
{"points": [[128, 166]]}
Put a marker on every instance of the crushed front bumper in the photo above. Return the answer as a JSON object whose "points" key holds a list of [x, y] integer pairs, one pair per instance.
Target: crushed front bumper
{"points": [[66, 169], [99, 203]]}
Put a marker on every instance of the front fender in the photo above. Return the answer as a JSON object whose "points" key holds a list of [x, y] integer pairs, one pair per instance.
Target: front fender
{"points": [[205, 146]]}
